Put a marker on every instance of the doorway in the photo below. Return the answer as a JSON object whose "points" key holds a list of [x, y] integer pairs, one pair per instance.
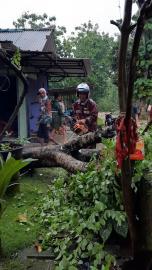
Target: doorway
{"points": [[8, 101]]}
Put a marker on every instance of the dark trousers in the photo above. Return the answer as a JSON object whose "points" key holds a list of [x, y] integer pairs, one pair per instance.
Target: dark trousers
{"points": [[43, 132]]}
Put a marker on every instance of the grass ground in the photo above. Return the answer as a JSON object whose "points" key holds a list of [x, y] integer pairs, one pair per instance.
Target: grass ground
{"points": [[100, 122], [19, 227]]}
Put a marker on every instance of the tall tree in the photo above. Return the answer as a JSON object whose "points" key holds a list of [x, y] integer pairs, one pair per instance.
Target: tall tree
{"points": [[126, 89], [88, 42]]}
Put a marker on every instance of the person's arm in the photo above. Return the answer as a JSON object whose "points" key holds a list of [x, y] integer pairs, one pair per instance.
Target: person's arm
{"points": [[48, 107], [60, 109], [74, 108]]}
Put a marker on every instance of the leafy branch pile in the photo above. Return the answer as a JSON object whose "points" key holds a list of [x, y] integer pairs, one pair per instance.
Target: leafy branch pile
{"points": [[80, 213]]}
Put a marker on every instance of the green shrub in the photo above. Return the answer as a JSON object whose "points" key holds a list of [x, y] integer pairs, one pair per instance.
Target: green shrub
{"points": [[80, 213]]}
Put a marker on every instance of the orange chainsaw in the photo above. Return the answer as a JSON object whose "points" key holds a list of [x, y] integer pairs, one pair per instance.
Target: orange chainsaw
{"points": [[80, 128]]}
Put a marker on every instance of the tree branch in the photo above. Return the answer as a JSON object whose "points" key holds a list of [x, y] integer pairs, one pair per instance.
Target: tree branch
{"points": [[59, 155], [132, 27], [148, 11], [82, 141], [48, 158], [122, 74], [116, 24]]}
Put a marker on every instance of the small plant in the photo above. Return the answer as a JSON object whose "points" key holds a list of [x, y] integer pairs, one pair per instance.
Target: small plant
{"points": [[5, 146], [9, 145], [22, 140], [7, 169]]}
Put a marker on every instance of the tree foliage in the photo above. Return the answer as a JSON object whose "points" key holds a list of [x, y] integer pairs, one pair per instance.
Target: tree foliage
{"points": [[143, 83], [88, 42], [34, 21]]}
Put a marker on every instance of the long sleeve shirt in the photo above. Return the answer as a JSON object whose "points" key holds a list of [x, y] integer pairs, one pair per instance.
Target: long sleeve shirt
{"points": [[86, 110]]}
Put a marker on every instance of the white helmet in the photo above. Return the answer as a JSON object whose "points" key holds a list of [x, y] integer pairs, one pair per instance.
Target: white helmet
{"points": [[83, 88]]}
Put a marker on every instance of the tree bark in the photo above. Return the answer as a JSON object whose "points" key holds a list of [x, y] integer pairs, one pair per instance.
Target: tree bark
{"points": [[48, 157], [122, 72], [126, 87], [126, 172], [82, 141], [60, 155]]}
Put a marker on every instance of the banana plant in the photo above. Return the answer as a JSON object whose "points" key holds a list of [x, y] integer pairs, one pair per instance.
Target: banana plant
{"points": [[7, 169]]}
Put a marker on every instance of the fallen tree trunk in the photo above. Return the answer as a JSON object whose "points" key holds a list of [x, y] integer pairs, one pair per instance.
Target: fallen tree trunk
{"points": [[60, 155], [52, 158], [82, 141]]}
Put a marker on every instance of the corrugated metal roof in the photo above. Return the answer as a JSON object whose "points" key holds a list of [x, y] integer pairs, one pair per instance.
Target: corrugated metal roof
{"points": [[27, 40], [59, 67]]}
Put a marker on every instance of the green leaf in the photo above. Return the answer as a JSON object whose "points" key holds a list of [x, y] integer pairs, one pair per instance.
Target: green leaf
{"points": [[9, 168], [106, 231], [121, 230]]}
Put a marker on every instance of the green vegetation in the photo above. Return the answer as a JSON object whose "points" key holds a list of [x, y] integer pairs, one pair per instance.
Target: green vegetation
{"points": [[75, 215], [79, 214], [16, 59], [12, 264], [19, 225], [87, 42], [100, 122], [145, 166], [143, 83], [7, 169]]}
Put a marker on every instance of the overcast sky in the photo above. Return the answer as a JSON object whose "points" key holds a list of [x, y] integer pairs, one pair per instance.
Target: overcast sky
{"points": [[69, 13]]}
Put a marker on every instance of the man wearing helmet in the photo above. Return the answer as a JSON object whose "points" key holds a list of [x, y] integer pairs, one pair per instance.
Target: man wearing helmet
{"points": [[85, 109]]}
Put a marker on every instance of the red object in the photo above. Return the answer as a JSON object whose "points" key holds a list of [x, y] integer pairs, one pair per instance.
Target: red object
{"points": [[80, 128], [126, 139], [139, 151]]}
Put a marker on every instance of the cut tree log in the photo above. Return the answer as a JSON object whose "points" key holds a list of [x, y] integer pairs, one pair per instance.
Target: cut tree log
{"points": [[60, 155], [82, 141]]}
